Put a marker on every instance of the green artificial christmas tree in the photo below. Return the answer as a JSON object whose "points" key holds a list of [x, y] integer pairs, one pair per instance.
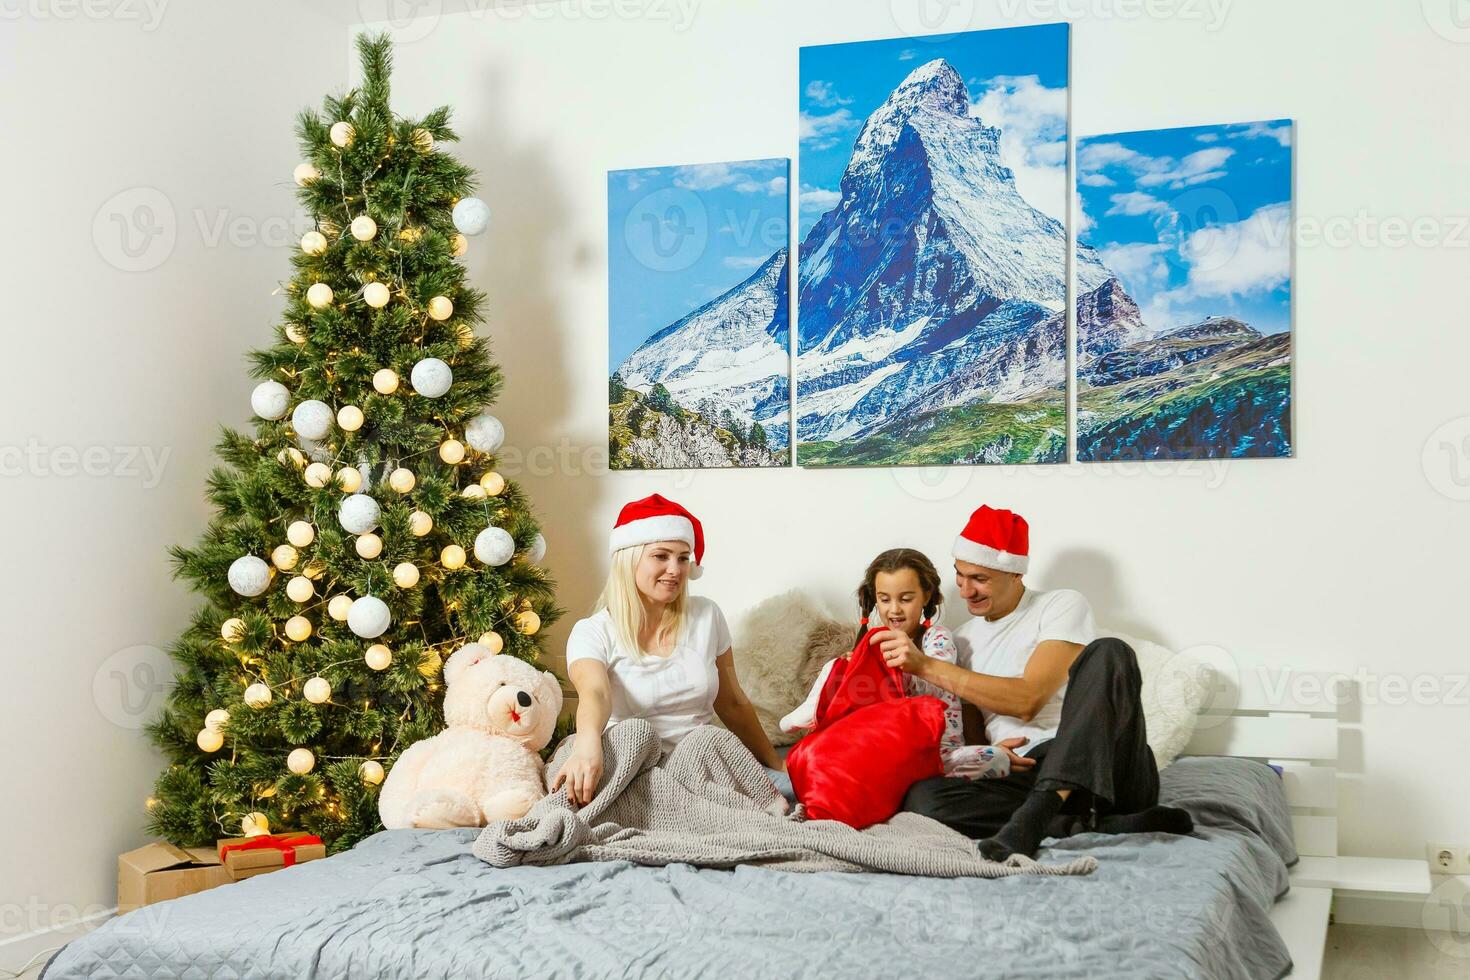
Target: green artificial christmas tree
{"points": [[363, 533]]}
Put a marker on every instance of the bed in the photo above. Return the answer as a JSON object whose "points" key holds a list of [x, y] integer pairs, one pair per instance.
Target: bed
{"points": [[418, 904]]}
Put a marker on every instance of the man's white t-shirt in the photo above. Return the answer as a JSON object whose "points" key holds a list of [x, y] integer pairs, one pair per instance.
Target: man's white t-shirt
{"points": [[1003, 647], [674, 694]]}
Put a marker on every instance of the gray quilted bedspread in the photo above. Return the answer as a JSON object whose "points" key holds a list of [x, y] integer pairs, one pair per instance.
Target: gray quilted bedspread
{"points": [[418, 904]]}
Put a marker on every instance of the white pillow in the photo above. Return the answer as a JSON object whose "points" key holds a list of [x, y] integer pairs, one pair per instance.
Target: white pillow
{"points": [[1175, 686]]}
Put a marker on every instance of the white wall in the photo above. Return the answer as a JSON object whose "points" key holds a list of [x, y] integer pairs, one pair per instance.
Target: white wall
{"points": [[1346, 557], [121, 378]]}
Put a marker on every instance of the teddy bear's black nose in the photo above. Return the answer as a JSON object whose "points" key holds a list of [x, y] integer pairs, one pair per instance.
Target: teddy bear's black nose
{"points": [[523, 699]]}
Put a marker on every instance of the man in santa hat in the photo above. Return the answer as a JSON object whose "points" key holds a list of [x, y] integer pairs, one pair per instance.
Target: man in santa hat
{"points": [[1063, 699]]}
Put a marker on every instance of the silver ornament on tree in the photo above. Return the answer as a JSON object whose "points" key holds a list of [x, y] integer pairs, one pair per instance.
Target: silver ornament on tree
{"points": [[249, 575], [369, 617], [358, 513], [312, 419], [431, 377], [471, 215], [537, 551], [270, 399], [494, 546], [484, 433]]}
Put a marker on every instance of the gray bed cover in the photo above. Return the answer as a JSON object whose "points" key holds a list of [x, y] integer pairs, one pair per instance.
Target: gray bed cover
{"points": [[419, 904]]}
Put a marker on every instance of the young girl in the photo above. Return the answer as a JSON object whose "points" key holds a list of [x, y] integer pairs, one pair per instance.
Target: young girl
{"points": [[902, 587]]}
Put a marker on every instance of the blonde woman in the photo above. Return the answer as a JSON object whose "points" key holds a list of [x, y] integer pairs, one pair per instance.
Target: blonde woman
{"points": [[653, 651]]}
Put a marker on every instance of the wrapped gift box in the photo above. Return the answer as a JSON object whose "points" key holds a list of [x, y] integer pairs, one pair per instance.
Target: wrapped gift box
{"points": [[245, 857]]}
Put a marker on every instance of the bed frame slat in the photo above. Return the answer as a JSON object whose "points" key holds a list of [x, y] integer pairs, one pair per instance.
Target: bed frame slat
{"points": [[1284, 737]]}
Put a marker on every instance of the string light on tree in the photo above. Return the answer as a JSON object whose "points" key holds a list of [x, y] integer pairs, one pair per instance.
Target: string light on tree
{"points": [[423, 140], [232, 629], [305, 173], [349, 479], [341, 134], [371, 772], [313, 243], [318, 690], [319, 295], [300, 589], [257, 695], [385, 381], [451, 451], [298, 628], [452, 556], [492, 641], [405, 575], [527, 622], [300, 533], [254, 825], [285, 557], [339, 607], [363, 228], [378, 656], [376, 295], [317, 475], [420, 523], [473, 492], [314, 569], [216, 719], [458, 245], [301, 761], [369, 546], [295, 334], [440, 308], [209, 740], [492, 483], [402, 480]]}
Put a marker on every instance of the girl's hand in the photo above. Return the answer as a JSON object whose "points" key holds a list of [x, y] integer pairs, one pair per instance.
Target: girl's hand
{"points": [[581, 773], [1008, 745], [899, 651]]}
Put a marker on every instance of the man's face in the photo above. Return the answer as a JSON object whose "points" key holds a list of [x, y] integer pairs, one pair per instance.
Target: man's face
{"points": [[986, 591]]}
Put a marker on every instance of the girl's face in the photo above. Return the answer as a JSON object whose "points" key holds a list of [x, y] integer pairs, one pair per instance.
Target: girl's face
{"points": [[901, 600], [661, 572]]}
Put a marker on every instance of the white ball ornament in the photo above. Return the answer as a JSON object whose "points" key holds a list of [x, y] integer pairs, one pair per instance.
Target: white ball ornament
{"points": [[349, 479], [318, 475], [312, 419], [257, 695], [376, 295], [300, 533], [451, 451], [270, 399], [385, 381], [349, 418], [216, 719], [431, 377], [378, 656], [249, 575], [440, 308], [473, 492], [527, 622], [371, 772], [301, 761], [452, 556], [340, 607], [317, 690], [319, 294], [369, 617], [420, 523], [402, 480], [209, 740], [295, 334], [232, 629], [364, 228], [484, 433], [369, 546], [300, 589], [471, 215], [358, 514], [284, 557], [305, 173], [405, 575], [494, 546], [313, 243], [298, 628], [341, 134], [254, 825], [537, 551]]}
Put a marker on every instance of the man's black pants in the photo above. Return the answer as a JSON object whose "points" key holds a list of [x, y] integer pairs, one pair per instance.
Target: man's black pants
{"points": [[1100, 753]]}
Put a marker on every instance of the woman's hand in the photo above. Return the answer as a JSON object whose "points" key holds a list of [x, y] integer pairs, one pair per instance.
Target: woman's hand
{"points": [[581, 772], [1009, 745]]}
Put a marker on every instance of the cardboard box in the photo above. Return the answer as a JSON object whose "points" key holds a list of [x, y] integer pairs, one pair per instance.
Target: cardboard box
{"points": [[258, 861], [160, 871]]}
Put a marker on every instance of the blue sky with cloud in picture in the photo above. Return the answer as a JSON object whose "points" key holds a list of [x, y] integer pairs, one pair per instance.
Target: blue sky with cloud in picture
{"points": [[1194, 221], [679, 236], [1017, 80]]}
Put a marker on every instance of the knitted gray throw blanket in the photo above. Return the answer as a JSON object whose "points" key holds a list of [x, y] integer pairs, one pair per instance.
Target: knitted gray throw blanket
{"points": [[711, 804]]}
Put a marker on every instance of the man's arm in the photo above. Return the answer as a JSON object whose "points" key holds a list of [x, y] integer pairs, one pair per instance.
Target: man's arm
{"points": [[1020, 697]]}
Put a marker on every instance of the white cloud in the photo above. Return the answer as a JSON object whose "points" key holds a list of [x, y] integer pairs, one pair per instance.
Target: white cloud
{"points": [[744, 261], [1281, 133], [1138, 263], [1248, 256], [1208, 137], [1097, 180], [1093, 156], [907, 54], [820, 130], [1033, 125], [818, 198], [1194, 168], [747, 179], [1133, 203], [824, 95]]}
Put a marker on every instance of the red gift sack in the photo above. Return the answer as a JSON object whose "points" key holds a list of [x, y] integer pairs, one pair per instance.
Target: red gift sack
{"points": [[870, 744]]}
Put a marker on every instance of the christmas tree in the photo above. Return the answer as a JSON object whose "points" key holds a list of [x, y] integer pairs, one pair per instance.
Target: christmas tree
{"points": [[363, 533]]}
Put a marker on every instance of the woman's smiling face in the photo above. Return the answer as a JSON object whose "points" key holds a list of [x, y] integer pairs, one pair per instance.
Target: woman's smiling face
{"points": [[661, 572]]}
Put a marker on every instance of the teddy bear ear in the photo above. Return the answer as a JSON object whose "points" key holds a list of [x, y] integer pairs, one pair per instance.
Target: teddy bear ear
{"points": [[551, 685], [463, 659]]}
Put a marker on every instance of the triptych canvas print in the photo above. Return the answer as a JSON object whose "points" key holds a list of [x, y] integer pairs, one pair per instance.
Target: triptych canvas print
{"points": [[932, 269]]}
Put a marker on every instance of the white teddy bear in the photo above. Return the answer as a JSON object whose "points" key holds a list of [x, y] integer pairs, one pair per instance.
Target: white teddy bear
{"points": [[499, 712]]}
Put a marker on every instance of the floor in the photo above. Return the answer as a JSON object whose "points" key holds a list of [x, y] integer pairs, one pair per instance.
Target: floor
{"points": [[1385, 953]]}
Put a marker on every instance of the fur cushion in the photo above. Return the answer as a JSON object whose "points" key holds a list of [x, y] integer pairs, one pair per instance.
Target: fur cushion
{"points": [[780, 646], [1175, 686]]}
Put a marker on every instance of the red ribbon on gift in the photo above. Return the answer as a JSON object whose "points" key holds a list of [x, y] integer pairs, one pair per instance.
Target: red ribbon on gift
{"points": [[273, 842]]}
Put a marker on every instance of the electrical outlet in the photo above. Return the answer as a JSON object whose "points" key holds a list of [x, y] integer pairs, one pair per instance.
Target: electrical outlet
{"points": [[1448, 859]]}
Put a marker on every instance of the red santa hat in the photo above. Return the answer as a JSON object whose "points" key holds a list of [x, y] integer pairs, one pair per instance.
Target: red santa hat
{"points": [[655, 518], [995, 539]]}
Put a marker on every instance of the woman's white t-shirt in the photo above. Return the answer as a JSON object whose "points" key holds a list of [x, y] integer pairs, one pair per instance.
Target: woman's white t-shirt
{"points": [[674, 694]]}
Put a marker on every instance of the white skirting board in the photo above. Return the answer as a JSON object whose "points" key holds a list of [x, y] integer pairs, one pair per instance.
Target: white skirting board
{"points": [[18, 951]]}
